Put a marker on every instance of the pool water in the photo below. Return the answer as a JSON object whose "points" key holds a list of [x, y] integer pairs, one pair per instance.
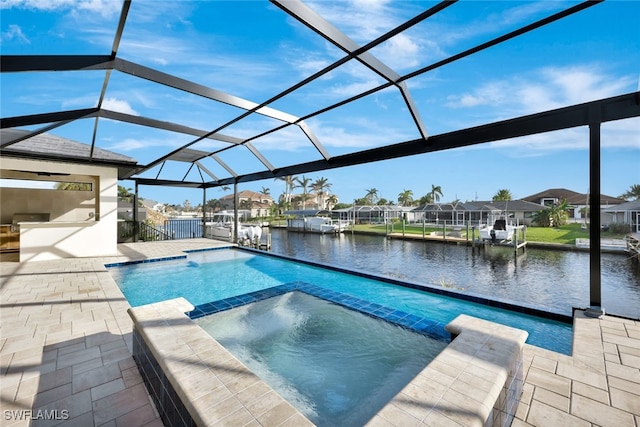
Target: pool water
{"points": [[335, 365], [203, 277]]}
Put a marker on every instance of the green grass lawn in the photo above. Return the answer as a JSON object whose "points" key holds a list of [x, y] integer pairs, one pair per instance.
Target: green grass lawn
{"points": [[566, 234]]}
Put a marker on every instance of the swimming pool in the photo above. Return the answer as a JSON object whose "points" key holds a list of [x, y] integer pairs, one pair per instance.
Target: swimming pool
{"points": [[207, 276], [335, 365]]}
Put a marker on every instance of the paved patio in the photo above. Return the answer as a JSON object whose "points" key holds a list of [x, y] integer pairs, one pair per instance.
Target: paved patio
{"points": [[65, 353]]}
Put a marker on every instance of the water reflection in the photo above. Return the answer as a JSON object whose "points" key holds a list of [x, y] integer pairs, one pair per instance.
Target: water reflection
{"points": [[553, 280]]}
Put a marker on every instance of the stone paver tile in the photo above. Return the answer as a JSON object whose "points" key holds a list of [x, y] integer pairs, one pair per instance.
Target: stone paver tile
{"points": [[53, 394], [549, 381], [591, 392], [630, 360], [439, 419], [623, 384], [106, 389], [378, 421], [253, 392], [115, 405], [297, 420], [131, 377], [624, 400], [618, 340], [87, 366], [398, 416], [76, 404], [277, 415], [116, 355], [263, 403], [610, 348], [582, 375], [239, 418], [95, 377], [544, 363], [610, 357], [628, 350], [522, 411], [137, 417], [545, 415], [624, 372], [213, 414], [552, 399], [599, 413]]}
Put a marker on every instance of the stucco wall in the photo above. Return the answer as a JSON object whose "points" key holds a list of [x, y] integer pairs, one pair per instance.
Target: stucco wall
{"points": [[72, 232]]}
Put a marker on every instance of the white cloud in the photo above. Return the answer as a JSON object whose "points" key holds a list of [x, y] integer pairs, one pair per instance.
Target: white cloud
{"points": [[105, 8], [543, 89], [15, 33], [118, 105], [133, 144]]}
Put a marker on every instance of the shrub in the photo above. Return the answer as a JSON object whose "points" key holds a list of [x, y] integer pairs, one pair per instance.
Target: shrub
{"points": [[619, 228]]}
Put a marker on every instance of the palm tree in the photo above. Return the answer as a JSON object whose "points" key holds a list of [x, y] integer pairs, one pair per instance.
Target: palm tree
{"points": [[632, 194], [405, 198], [332, 200], [319, 186], [289, 185], [265, 190], [372, 196], [426, 199], [553, 216], [436, 193], [502, 195], [303, 183]]}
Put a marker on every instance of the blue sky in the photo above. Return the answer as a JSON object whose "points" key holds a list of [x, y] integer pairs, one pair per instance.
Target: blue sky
{"points": [[253, 50]]}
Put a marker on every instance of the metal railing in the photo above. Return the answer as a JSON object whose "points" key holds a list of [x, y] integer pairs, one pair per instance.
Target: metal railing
{"points": [[184, 228], [146, 232]]}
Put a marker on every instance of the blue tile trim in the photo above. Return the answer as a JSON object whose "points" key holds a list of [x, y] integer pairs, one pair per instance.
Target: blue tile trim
{"points": [[209, 249], [170, 258], [412, 322], [144, 261]]}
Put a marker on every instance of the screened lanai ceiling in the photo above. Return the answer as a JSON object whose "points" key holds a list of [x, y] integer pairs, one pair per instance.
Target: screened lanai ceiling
{"points": [[211, 93]]}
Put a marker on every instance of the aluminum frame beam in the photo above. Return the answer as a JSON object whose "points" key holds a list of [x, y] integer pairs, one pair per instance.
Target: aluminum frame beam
{"points": [[610, 109], [321, 26]]}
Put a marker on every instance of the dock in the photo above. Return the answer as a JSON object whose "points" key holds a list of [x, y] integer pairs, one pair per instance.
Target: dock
{"points": [[633, 245]]}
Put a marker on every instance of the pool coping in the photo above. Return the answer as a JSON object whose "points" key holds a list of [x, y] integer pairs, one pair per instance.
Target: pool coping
{"points": [[482, 367]]}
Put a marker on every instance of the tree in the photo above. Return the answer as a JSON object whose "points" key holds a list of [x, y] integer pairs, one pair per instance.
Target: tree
{"points": [[426, 199], [405, 198], [436, 193], [332, 201], [303, 183], [319, 187], [371, 196], [265, 191], [289, 185], [554, 216], [213, 205], [125, 194], [502, 195], [187, 205], [632, 194], [73, 186]]}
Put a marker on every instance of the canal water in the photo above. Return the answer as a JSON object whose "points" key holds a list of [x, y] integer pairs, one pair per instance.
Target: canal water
{"points": [[554, 281]]}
